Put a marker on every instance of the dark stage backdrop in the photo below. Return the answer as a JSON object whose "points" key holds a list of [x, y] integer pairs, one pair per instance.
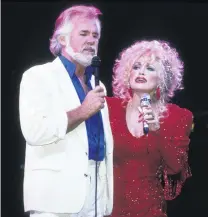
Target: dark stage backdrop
{"points": [[26, 29]]}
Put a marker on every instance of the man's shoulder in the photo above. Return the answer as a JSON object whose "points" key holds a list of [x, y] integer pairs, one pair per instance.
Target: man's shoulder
{"points": [[40, 68], [40, 74], [40, 71]]}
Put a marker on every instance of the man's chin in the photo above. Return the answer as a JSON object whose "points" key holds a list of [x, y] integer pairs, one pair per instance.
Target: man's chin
{"points": [[87, 53], [84, 60]]}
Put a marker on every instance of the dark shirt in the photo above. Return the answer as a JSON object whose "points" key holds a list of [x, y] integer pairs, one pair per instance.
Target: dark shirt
{"points": [[94, 124]]}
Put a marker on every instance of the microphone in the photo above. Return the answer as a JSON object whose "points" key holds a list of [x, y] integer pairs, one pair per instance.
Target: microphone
{"points": [[96, 65], [144, 102]]}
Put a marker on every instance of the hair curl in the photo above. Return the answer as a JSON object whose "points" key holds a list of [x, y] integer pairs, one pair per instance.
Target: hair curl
{"points": [[170, 77]]}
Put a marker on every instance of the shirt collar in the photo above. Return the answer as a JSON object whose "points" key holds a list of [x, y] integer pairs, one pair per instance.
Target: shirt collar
{"points": [[71, 68]]}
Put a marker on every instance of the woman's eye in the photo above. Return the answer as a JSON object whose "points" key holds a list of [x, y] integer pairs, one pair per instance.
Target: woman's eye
{"points": [[136, 67], [150, 68]]}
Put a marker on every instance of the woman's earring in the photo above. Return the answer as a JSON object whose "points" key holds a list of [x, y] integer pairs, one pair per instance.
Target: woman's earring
{"points": [[157, 93], [130, 92], [129, 89]]}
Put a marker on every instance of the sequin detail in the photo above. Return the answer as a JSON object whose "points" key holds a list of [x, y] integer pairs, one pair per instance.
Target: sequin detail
{"points": [[142, 164]]}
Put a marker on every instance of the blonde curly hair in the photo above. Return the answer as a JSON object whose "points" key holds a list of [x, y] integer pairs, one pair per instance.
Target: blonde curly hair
{"points": [[170, 77]]}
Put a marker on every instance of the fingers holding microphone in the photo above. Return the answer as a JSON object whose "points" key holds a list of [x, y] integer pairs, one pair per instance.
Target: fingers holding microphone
{"points": [[100, 96], [94, 101], [147, 116]]}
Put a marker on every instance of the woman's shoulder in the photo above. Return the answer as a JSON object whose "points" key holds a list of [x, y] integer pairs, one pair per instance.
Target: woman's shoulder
{"points": [[177, 117], [175, 111]]}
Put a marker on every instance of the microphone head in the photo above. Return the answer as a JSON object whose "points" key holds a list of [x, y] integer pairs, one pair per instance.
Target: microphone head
{"points": [[146, 96], [95, 61], [145, 99], [144, 102]]}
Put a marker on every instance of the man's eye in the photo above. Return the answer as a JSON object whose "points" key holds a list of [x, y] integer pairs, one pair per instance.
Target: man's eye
{"points": [[95, 36]]}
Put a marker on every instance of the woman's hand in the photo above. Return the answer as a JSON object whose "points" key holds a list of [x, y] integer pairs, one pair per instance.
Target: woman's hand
{"points": [[147, 115]]}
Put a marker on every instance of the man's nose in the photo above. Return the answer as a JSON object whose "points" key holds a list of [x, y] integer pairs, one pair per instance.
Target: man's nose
{"points": [[91, 40]]}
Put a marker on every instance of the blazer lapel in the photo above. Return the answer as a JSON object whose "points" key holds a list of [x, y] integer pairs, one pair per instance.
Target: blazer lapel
{"points": [[69, 97]]}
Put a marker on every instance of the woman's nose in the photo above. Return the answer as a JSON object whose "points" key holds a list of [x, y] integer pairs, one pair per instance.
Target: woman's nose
{"points": [[141, 72]]}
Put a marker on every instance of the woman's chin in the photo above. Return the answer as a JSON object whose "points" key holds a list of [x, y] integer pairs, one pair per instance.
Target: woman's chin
{"points": [[141, 90]]}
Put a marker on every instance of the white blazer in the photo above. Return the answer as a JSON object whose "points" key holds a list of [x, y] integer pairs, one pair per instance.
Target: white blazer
{"points": [[56, 163]]}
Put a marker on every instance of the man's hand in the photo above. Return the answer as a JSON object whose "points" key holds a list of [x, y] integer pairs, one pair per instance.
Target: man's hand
{"points": [[94, 101]]}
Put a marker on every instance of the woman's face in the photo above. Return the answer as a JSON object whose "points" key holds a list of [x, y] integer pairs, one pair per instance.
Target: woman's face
{"points": [[144, 75]]}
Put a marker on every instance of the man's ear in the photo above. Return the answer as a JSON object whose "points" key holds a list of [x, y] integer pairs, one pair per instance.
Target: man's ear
{"points": [[62, 40]]}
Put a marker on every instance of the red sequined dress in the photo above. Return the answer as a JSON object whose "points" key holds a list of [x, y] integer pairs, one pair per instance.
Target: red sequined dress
{"points": [[140, 162]]}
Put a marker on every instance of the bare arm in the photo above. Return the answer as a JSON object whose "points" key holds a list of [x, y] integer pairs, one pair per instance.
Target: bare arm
{"points": [[75, 118]]}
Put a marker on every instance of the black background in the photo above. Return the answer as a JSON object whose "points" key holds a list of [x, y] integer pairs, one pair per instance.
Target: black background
{"points": [[26, 29]]}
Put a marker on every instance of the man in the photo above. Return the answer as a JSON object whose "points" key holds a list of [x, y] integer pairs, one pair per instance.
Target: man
{"points": [[64, 120]]}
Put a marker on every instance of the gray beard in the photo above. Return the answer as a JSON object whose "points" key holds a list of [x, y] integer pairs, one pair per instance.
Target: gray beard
{"points": [[82, 59]]}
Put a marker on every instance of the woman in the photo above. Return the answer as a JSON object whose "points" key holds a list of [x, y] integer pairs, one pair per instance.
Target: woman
{"points": [[140, 160]]}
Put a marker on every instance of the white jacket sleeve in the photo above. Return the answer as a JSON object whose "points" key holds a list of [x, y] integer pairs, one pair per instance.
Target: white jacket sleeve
{"points": [[42, 117]]}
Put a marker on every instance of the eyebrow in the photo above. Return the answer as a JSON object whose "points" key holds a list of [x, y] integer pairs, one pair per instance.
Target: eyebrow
{"points": [[87, 31], [137, 63], [148, 64]]}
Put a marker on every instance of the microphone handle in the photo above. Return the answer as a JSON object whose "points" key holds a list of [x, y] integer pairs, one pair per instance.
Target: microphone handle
{"points": [[96, 74], [145, 128], [145, 125]]}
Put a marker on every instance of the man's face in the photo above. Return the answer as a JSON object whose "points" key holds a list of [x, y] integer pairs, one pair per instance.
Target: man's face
{"points": [[85, 36], [83, 42]]}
